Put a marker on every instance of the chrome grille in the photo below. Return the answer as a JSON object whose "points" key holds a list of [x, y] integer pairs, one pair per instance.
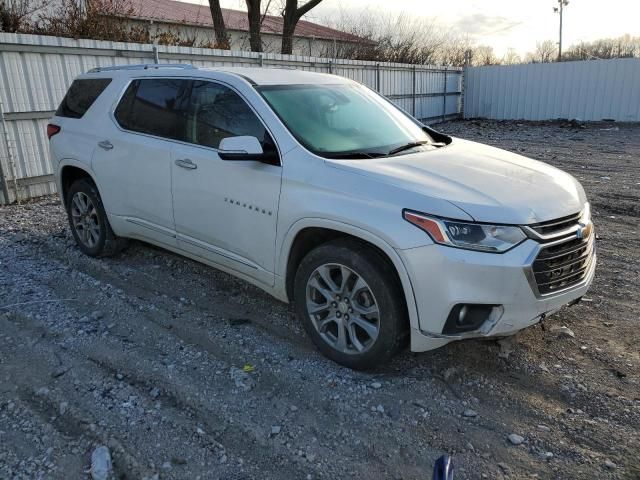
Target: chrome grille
{"points": [[552, 227], [562, 265]]}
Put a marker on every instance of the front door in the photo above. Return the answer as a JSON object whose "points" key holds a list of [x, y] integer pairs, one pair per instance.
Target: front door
{"points": [[225, 211]]}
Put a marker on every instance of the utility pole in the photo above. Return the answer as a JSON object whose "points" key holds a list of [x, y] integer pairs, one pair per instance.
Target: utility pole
{"points": [[558, 9]]}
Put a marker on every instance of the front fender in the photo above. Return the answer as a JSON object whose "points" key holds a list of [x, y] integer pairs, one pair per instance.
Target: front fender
{"points": [[298, 226]]}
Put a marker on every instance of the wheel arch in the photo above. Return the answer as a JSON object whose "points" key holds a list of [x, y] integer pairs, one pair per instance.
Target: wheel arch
{"points": [[309, 233], [70, 171]]}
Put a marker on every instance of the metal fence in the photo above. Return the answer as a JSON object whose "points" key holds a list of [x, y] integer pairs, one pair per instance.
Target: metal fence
{"points": [[589, 90], [35, 72]]}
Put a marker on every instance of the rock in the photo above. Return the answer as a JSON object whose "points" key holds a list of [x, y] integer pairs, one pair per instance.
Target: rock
{"points": [[42, 392], [609, 464], [97, 315], [506, 347], [293, 408], [515, 439], [563, 331], [155, 392], [64, 406], [544, 428], [100, 463], [547, 455], [376, 385], [275, 430], [199, 431], [242, 379], [449, 373], [380, 409], [166, 466], [469, 413]]}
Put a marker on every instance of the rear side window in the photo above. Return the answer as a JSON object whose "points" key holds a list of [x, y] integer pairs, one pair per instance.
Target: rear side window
{"points": [[157, 106], [81, 96]]}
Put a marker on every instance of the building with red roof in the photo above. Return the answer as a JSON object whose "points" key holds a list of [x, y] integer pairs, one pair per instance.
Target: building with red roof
{"points": [[193, 23]]}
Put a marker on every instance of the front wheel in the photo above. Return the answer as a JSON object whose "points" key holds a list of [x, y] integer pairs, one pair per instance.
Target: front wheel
{"points": [[348, 298]]}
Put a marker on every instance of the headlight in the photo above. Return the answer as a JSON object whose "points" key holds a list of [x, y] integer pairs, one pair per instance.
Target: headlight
{"points": [[472, 236]]}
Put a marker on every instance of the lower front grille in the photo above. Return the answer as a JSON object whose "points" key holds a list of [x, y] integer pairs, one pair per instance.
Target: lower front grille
{"points": [[563, 265]]}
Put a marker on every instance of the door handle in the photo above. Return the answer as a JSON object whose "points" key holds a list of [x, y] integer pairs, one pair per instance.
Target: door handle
{"points": [[105, 144], [186, 163]]}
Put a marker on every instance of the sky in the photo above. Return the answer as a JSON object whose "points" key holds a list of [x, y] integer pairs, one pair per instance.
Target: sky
{"points": [[502, 24]]}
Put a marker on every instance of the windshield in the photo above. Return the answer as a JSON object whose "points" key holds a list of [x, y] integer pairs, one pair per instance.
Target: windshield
{"points": [[343, 120]]}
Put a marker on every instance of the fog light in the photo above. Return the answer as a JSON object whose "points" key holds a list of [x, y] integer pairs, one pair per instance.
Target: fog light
{"points": [[467, 317]]}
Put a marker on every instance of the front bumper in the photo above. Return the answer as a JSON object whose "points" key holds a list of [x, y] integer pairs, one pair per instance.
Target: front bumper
{"points": [[442, 277]]}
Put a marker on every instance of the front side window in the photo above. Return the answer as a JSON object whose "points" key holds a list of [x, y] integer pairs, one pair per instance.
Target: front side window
{"points": [[158, 106], [218, 112], [80, 97], [342, 120]]}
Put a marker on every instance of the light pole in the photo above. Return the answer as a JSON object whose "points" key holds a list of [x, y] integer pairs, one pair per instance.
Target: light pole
{"points": [[558, 9]]}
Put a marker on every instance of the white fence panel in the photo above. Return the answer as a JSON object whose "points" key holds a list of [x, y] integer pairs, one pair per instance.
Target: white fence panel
{"points": [[35, 72], [590, 90]]}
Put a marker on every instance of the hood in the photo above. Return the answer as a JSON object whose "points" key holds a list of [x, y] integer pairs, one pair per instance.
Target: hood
{"points": [[490, 184]]}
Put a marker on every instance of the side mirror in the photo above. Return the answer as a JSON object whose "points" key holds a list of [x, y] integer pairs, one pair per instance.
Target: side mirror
{"points": [[240, 148], [247, 148]]}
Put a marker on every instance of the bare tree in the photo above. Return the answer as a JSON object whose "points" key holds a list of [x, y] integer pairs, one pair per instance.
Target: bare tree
{"points": [[18, 15], [625, 46], [511, 57], [291, 15], [96, 19], [219, 28], [483, 55], [545, 52], [256, 17], [455, 50]]}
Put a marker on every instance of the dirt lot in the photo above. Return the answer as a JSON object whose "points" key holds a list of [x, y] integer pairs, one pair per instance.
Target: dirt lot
{"points": [[144, 353]]}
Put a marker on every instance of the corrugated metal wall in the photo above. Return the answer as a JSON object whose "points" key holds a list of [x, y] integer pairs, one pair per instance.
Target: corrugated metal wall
{"points": [[35, 72], [590, 90]]}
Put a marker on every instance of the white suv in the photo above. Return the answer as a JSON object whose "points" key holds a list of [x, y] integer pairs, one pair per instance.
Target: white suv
{"points": [[322, 192]]}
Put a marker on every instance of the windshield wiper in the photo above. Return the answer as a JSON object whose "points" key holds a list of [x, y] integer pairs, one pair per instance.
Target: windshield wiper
{"points": [[353, 155], [408, 146]]}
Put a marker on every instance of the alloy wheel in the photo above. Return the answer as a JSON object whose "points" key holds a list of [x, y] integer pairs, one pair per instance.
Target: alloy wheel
{"points": [[84, 218], [342, 308]]}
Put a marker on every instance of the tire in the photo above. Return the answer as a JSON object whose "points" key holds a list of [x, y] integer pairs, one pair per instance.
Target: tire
{"points": [[88, 221], [371, 285]]}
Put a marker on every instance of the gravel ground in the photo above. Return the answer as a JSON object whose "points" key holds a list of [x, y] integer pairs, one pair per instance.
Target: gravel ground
{"points": [[185, 372]]}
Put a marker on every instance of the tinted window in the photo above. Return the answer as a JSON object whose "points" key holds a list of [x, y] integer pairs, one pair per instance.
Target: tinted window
{"points": [[156, 106], [81, 96], [218, 112]]}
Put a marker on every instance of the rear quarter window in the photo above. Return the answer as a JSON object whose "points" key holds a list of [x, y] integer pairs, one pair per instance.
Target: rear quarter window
{"points": [[156, 106], [80, 96]]}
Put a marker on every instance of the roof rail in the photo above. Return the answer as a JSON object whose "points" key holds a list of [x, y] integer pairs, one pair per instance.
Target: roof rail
{"points": [[143, 66]]}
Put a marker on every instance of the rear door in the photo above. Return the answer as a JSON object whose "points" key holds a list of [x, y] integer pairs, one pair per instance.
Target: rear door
{"points": [[225, 211], [133, 158]]}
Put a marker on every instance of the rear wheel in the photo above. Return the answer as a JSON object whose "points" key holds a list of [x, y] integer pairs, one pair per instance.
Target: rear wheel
{"points": [[349, 301], [88, 221]]}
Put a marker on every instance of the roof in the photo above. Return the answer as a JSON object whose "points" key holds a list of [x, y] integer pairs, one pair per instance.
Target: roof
{"points": [[281, 76], [171, 11], [254, 75]]}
